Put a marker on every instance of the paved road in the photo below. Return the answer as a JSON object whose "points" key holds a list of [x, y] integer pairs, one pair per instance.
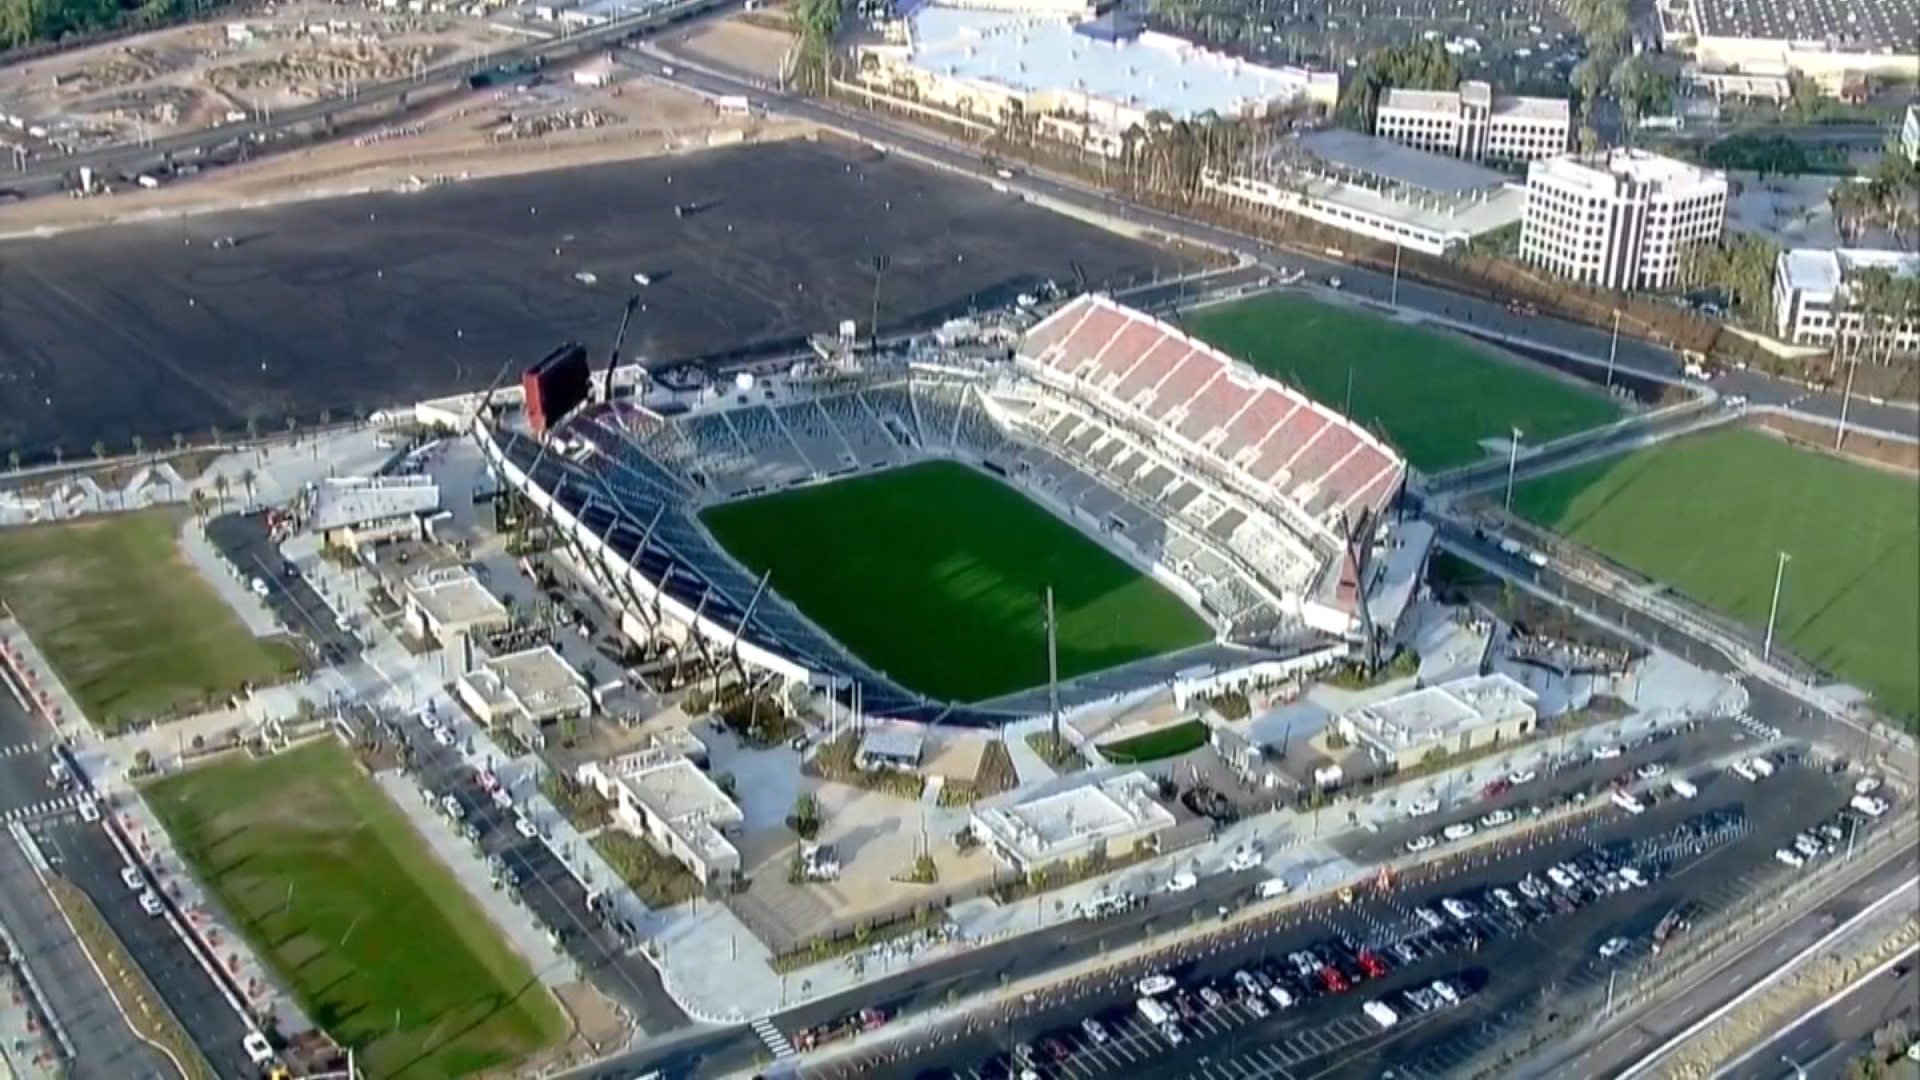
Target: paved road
{"points": [[243, 540], [1586, 341], [1826, 1044], [135, 157], [83, 854]]}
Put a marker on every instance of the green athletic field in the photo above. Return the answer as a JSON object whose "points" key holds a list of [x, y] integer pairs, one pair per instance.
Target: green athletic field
{"points": [[1434, 396], [1708, 516], [337, 891], [132, 628], [934, 574]]}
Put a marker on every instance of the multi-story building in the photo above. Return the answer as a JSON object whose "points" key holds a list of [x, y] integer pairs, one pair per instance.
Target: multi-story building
{"points": [[1813, 303], [1619, 219], [1476, 124], [1910, 134]]}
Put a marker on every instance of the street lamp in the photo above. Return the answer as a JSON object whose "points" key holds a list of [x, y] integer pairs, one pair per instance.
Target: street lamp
{"points": [[1798, 1072], [1773, 611], [1613, 349], [1513, 460]]}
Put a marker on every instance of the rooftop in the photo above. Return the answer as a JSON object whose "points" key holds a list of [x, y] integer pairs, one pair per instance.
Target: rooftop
{"points": [[1871, 26], [1607, 167], [452, 596], [895, 742], [1065, 822], [1437, 714], [1818, 270], [1388, 160], [537, 683], [341, 502], [1035, 52], [1448, 102], [675, 791]]}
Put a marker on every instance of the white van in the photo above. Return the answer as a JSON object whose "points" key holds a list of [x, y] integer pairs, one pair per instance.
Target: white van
{"points": [[1625, 801], [1379, 1013], [1684, 788], [1270, 888]]}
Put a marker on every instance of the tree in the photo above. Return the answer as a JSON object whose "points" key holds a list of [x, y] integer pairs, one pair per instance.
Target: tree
{"points": [[13, 459], [247, 477], [59, 455], [99, 450], [253, 427], [139, 445], [179, 442], [143, 760], [1424, 65]]}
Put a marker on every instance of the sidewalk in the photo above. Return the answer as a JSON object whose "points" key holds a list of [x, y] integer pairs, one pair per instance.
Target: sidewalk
{"points": [[28, 1050]]}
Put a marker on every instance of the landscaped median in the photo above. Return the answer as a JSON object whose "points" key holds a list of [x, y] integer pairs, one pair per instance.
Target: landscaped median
{"points": [[145, 1010], [1166, 742]]}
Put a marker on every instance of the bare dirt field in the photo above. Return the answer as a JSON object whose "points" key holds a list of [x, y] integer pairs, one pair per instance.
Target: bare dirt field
{"points": [[354, 304], [743, 43], [192, 77], [1869, 449]]}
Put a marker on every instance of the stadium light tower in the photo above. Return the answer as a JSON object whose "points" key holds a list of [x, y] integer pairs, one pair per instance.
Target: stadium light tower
{"points": [[1053, 670], [1773, 610], [880, 262]]}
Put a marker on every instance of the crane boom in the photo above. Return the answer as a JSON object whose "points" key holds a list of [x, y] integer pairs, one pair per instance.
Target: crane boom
{"points": [[619, 339]]}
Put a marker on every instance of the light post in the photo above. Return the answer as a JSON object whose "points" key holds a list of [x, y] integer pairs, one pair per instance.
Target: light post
{"points": [[1798, 1072], [1773, 610], [1393, 299], [1513, 461], [1613, 349]]}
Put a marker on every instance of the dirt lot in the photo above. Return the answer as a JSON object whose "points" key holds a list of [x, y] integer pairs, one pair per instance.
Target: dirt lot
{"points": [[745, 43], [193, 77], [352, 304], [1887, 453]]}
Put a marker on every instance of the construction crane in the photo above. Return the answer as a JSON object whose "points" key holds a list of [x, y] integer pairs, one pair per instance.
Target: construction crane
{"points": [[619, 339]]}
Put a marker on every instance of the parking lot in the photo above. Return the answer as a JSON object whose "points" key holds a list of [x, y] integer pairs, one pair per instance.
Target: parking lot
{"points": [[243, 540], [1494, 950]]}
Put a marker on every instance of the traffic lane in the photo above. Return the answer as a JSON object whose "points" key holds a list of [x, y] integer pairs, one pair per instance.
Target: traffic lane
{"points": [[1666, 1018], [243, 540], [548, 888], [89, 860], [104, 1046], [1552, 947], [25, 764], [1826, 1045], [1582, 774]]}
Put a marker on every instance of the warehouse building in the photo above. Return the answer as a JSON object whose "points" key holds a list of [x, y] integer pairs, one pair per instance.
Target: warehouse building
{"points": [[1378, 189], [1105, 819], [1085, 81], [1813, 301], [1452, 718], [661, 796], [1476, 124], [1827, 42], [1619, 219]]}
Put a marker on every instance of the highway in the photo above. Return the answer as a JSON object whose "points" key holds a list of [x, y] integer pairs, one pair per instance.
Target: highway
{"points": [[130, 158], [1479, 315], [1826, 1043]]}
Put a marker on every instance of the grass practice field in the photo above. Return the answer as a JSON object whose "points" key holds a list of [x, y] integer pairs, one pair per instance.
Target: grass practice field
{"points": [[934, 574], [330, 882], [1709, 514], [132, 628], [1435, 397]]}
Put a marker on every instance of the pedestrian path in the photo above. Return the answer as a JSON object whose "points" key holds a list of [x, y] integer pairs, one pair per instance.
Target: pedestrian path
{"points": [[770, 1035]]}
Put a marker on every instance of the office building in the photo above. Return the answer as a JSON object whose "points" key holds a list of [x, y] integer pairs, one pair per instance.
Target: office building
{"points": [[1813, 303], [1619, 219], [1476, 124]]}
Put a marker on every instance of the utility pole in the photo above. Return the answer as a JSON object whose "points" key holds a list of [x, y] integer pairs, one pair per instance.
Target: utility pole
{"points": [[1773, 611], [1846, 398], [1613, 349], [1513, 461], [880, 264], [1394, 297]]}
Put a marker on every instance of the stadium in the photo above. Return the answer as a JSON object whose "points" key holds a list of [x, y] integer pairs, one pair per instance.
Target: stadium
{"points": [[1218, 519]]}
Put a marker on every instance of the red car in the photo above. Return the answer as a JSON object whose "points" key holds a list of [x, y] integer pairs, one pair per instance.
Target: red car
{"points": [[1371, 964], [1331, 978], [1496, 788]]}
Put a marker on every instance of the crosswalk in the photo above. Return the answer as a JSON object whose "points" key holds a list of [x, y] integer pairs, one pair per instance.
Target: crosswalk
{"points": [[18, 749], [1759, 730], [42, 808], [771, 1035]]}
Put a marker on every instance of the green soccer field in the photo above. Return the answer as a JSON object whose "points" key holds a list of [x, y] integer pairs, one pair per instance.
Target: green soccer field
{"points": [[1708, 516], [1434, 396], [333, 886], [934, 574], [130, 625]]}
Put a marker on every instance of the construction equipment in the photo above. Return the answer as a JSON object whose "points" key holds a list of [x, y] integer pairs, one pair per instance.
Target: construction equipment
{"points": [[619, 339]]}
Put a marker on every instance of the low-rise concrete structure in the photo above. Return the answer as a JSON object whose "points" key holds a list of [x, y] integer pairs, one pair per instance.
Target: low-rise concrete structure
{"points": [[1108, 818], [892, 746], [449, 604], [349, 511], [527, 692], [1452, 718], [660, 795], [1816, 300]]}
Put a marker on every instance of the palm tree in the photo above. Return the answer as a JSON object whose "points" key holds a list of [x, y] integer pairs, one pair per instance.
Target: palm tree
{"points": [[221, 485], [99, 450], [247, 477], [253, 428], [179, 442], [13, 459], [197, 502], [139, 445], [59, 456]]}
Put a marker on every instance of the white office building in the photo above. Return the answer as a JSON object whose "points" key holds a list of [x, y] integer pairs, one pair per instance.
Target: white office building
{"points": [[1619, 219], [1475, 123], [1811, 294]]}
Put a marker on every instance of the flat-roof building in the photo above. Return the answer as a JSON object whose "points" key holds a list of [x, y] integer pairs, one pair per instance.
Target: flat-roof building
{"points": [[1452, 718], [1475, 123], [1104, 819], [891, 746], [1379, 189], [448, 604], [1082, 80], [348, 511], [1825, 41], [527, 692], [1619, 219], [1815, 303], [1910, 134], [660, 795]]}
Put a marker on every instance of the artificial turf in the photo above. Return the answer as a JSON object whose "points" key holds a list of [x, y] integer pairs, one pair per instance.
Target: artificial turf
{"points": [[935, 574], [1709, 515], [132, 629], [1434, 396], [333, 886], [1155, 745]]}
